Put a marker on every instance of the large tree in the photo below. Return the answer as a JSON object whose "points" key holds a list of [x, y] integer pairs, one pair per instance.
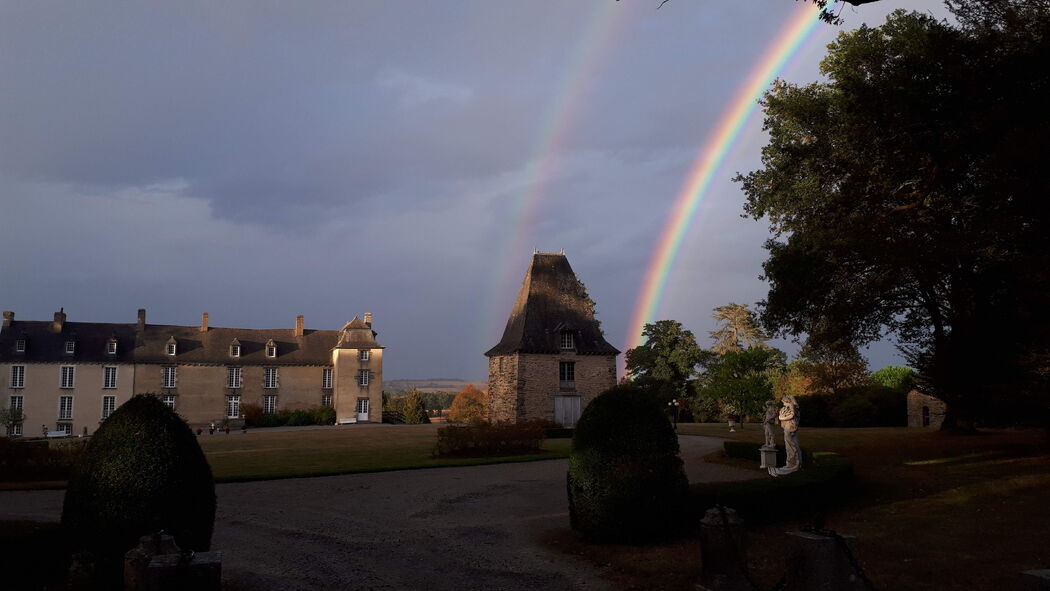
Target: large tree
{"points": [[668, 360], [906, 195], [736, 324]]}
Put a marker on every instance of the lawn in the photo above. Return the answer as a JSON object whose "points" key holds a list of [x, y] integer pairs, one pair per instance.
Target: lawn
{"points": [[932, 510]]}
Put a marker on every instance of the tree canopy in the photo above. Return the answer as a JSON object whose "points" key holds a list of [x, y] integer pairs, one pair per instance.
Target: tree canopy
{"points": [[737, 323], [668, 357], [906, 196]]}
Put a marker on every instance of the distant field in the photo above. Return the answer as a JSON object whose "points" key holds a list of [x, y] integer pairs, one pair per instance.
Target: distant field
{"points": [[432, 385], [264, 454]]}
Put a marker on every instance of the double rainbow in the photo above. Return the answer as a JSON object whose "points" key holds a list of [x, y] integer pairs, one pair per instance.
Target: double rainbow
{"points": [[741, 108]]}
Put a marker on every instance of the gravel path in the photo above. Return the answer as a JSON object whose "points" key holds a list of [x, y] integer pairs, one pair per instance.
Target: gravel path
{"points": [[446, 528]]}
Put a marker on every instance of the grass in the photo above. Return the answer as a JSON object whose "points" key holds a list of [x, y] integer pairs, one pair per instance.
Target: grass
{"points": [[932, 511]]}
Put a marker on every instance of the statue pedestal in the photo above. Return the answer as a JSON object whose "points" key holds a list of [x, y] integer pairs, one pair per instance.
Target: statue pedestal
{"points": [[769, 456]]}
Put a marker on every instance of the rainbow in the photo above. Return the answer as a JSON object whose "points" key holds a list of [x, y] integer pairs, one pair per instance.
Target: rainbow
{"points": [[741, 107]]}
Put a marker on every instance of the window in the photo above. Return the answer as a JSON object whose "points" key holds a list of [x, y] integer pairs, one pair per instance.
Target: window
{"points": [[71, 347], [170, 376], [271, 350], [326, 400], [15, 427], [66, 428], [20, 346], [269, 404], [65, 408], [567, 340], [111, 347], [168, 400], [16, 403], [233, 377], [362, 377], [362, 406], [233, 407], [567, 374], [18, 376], [14, 430], [109, 377], [364, 354], [235, 348], [270, 377], [171, 348], [68, 376], [326, 378], [108, 404], [925, 416]]}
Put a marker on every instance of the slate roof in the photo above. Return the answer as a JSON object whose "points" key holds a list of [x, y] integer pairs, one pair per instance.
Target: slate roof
{"points": [[551, 300], [147, 345]]}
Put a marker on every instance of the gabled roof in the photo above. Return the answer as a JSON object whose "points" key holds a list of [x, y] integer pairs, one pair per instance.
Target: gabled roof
{"points": [[551, 300]]}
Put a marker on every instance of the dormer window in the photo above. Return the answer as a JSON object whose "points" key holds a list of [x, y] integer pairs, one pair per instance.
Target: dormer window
{"points": [[171, 347], [20, 346], [271, 349], [568, 341], [235, 348], [364, 354], [111, 347], [71, 347]]}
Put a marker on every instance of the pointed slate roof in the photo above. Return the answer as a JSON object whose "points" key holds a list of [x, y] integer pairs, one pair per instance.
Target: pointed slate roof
{"points": [[551, 300], [357, 334]]}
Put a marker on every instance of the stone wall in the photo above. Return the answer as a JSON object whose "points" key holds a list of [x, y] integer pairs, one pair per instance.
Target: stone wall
{"points": [[523, 386], [934, 414]]}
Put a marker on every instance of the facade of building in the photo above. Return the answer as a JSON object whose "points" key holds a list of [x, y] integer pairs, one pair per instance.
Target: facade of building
{"points": [[925, 411], [69, 376], [553, 358]]}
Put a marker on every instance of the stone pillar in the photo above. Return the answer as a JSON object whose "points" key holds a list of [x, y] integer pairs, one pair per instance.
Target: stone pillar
{"points": [[820, 563], [723, 552]]}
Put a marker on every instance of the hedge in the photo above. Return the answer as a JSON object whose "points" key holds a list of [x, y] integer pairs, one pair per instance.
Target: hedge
{"points": [[489, 440]]}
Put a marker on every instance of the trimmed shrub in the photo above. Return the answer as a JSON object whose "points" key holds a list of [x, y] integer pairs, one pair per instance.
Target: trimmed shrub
{"points": [[489, 440], [253, 415], [625, 480], [415, 411], [323, 415], [469, 406], [853, 411], [142, 472]]}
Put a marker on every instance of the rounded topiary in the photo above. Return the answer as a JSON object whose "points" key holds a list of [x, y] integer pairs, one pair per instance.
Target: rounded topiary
{"points": [[626, 482], [143, 471]]}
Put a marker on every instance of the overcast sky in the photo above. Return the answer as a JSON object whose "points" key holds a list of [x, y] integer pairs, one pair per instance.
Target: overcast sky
{"points": [[258, 160]]}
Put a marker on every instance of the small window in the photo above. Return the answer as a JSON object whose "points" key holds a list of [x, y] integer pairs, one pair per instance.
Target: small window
{"points": [[108, 404], [235, 350], [326, 400], [65, 428], [270, 377], [16, 403], [568, 342], [14, 430], [271, 349], [18, 376], [169, 401], [365, 354], [170, 376], [71, 347], [326, 378], [567, 374], [233, 377], [20, 346], [171, 347], [65, 408], [109, 378], [269, 405], [233, 407], [362, 377], [68, 376], [111, 347]]}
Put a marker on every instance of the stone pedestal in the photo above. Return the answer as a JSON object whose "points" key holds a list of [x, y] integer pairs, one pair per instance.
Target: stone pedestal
{"points": [[769, 456], [1034, 580], [157, 564], [820, 563], [723, 552]]}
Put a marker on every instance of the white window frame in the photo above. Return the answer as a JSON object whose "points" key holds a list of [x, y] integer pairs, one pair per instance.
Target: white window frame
{"points": [[235, 350], [362, 406], [109, 377], [326, 378], [20, 346], [14, 430], [233, 406], [67, 377], [71, 347], [111, 347], [362, 377], [168, 400], [16, 402], [66, 428], [269, 404], [170, 376], [170, 349], [109, 404], [271, 378], [271, 351], [233, 377], [568, 340], [65, 413], [18, 376], [365, 354], [326, 400]]}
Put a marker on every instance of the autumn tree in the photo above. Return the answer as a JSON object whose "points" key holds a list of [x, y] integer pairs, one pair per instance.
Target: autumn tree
{"points": [[469, 406]]}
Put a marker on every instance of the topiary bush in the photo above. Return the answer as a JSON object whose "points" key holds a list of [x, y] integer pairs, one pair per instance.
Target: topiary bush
{"points": [[625, 480], [142, 472]]}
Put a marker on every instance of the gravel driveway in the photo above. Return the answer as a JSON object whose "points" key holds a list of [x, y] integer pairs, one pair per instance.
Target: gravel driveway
{"points": [[445, 528]]}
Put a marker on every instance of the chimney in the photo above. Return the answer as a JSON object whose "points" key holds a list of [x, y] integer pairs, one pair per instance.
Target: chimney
{"points": [[204, 322], [368, 319], [142, 319], [60, 320], [9, 317], [299, 326]]}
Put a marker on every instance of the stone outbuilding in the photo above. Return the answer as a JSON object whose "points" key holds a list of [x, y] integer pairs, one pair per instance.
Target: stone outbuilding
{"points": [[553, 358], [925, 411]]}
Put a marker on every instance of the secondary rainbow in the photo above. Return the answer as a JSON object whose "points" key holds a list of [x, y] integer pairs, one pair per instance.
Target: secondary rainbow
{"points": [[742, 106]]}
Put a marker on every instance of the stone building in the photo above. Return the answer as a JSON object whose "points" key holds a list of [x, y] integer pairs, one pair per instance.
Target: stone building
{"points": [[553, 358], [925, 411], [69, 376]]}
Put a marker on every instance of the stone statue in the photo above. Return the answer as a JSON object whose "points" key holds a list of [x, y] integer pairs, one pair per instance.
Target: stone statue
{"points": [[768, 421], [789, 422]]}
